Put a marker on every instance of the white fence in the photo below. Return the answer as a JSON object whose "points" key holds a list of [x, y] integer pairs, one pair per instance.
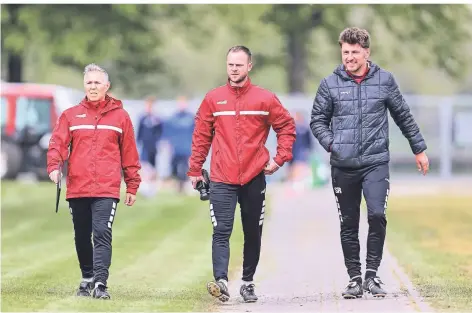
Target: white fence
{"points": [[445, 122]]}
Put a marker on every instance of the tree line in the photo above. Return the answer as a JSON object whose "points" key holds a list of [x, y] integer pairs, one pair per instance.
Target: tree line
{"points": [[128, 39]]}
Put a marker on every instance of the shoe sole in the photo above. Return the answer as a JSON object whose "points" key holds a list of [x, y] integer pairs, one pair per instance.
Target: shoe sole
{"points": [[350, 297], [378, 296], [215, 291], [250, 300]]}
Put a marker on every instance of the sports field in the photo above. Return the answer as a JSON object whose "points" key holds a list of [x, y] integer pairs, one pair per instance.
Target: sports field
{"points": [[161, 254], [431, 236]]}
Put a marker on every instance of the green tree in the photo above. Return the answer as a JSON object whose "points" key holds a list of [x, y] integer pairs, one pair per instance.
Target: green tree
{"points": [[438, 31], [119, 36]]}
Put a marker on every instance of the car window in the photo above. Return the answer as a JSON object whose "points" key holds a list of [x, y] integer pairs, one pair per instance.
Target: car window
{"points": [[4, 111], [33, 112]]}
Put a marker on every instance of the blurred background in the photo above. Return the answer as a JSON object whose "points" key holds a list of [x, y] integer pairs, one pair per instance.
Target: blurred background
{"points": [[162, 59], [164, 52]]}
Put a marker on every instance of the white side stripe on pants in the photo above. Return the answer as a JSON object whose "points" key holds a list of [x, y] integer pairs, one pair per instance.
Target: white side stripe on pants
{"points": [[386, 200], [112, 215], [261, 219], [212, 215], [339, 209]]}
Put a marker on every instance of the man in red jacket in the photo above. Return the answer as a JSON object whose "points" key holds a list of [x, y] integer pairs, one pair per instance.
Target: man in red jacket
{"points": [[102, 144], [236, 118]]}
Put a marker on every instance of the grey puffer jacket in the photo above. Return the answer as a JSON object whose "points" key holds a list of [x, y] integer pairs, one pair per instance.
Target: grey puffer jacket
{"points": [[350, 119]]}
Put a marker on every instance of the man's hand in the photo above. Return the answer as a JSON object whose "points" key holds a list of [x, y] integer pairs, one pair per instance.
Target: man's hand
{"points": [[130, 199], [55, 176], [271, 167], [422, 162], [195, 180]]}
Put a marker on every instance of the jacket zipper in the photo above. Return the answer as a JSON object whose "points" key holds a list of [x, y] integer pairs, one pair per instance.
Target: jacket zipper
{"points": [[360, 120], [237, 127]]}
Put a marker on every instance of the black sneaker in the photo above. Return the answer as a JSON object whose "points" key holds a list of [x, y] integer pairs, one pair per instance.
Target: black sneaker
{"points": [[372, 286], [247, 292], [85, 289], [218, 290], [100, 292], [353, 290]]}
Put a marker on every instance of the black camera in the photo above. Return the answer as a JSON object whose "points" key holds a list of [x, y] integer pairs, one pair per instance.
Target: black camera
{"points": [[204, 186]]}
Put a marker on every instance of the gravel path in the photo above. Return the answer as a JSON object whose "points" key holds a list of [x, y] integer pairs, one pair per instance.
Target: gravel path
{"points": [[302, 268]]}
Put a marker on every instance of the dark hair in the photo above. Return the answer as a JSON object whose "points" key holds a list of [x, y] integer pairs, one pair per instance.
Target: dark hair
{"points": [[241, 48], [355, 35]]}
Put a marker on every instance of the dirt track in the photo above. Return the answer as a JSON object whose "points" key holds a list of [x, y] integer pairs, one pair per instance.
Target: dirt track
{"points": [[302, 269]]}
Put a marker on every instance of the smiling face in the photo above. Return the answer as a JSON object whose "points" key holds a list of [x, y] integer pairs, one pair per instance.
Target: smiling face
{"points": [[354, 58], [96, 85], [355, 49]]}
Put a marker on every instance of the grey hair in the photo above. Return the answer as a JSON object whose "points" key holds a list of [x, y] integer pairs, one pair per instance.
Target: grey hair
{"points": [[95, 68]]}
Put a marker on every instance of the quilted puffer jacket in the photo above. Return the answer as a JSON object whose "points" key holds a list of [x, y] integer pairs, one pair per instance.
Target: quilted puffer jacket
{"points": [[350, 120]]}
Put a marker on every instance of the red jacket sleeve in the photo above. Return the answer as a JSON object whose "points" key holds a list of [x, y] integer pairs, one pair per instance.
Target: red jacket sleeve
{"points": [[201, 138], [284, 126], [58, 150], [130, 157]]}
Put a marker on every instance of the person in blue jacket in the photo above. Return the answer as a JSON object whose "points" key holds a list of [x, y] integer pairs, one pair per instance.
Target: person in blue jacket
{"points": [[179, 131], [302, 147], [149, 133]]}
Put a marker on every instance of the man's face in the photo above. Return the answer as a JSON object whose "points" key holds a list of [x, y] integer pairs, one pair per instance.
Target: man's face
{"points": [[237, 66], [96, 85], [354, 57]]}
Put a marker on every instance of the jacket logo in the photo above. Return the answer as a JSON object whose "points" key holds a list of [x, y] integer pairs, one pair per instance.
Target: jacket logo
{"points": [[222, 102], [345, 92], [81, 115]]}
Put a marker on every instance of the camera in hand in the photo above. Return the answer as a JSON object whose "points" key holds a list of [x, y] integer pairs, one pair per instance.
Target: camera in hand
{"points": [[204, 186]]}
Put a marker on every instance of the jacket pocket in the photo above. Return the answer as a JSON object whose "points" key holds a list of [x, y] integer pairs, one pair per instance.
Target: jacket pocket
{"points": [[335, 150], [385, 141], [216, 162]]}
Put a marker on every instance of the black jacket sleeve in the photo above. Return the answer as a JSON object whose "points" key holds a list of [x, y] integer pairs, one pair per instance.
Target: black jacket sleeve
{"points": [[402, 116], [321, 115]]}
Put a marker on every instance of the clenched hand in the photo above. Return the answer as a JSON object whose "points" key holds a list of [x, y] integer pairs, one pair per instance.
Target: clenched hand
{"points": [[271, 167], [55, 176]]}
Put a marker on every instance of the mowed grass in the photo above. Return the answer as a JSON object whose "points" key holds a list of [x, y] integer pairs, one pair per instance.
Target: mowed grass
{"points": [[431, 236], [161, 254]]}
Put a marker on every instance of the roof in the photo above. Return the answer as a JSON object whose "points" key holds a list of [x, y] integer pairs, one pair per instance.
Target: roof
{"points": [[28, 89]]}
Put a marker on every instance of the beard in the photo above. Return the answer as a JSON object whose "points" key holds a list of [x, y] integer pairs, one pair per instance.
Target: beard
{"points": [[239, 80]]}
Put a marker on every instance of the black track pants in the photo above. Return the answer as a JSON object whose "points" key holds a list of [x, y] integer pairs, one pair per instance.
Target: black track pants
{"points": [[348, 186], [223, 199], [93, 215]]}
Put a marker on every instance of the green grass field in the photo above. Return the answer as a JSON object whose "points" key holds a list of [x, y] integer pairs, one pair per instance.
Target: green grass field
{"points": [[431, 236], [161, 254]]}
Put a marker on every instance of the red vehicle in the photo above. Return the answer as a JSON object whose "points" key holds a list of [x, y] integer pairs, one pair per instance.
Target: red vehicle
{"points": [[28, 115]]}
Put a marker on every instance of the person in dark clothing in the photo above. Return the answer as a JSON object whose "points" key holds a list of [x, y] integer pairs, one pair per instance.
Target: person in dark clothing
{"points": [[349, 119], [235, 120], [178, 130], [149, 133], [301, 147]]}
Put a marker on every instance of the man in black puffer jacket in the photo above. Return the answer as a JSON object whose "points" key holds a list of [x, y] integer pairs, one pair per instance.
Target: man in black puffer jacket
{"points": [[349, 119]]}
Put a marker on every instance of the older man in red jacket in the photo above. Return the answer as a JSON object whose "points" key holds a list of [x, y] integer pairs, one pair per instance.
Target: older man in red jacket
{"points": [[236, 119], [100, 136]]}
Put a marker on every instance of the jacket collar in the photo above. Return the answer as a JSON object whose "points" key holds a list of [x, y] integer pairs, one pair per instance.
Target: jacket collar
{"points": [[239, 90], [103, 106], [341, 71]]}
